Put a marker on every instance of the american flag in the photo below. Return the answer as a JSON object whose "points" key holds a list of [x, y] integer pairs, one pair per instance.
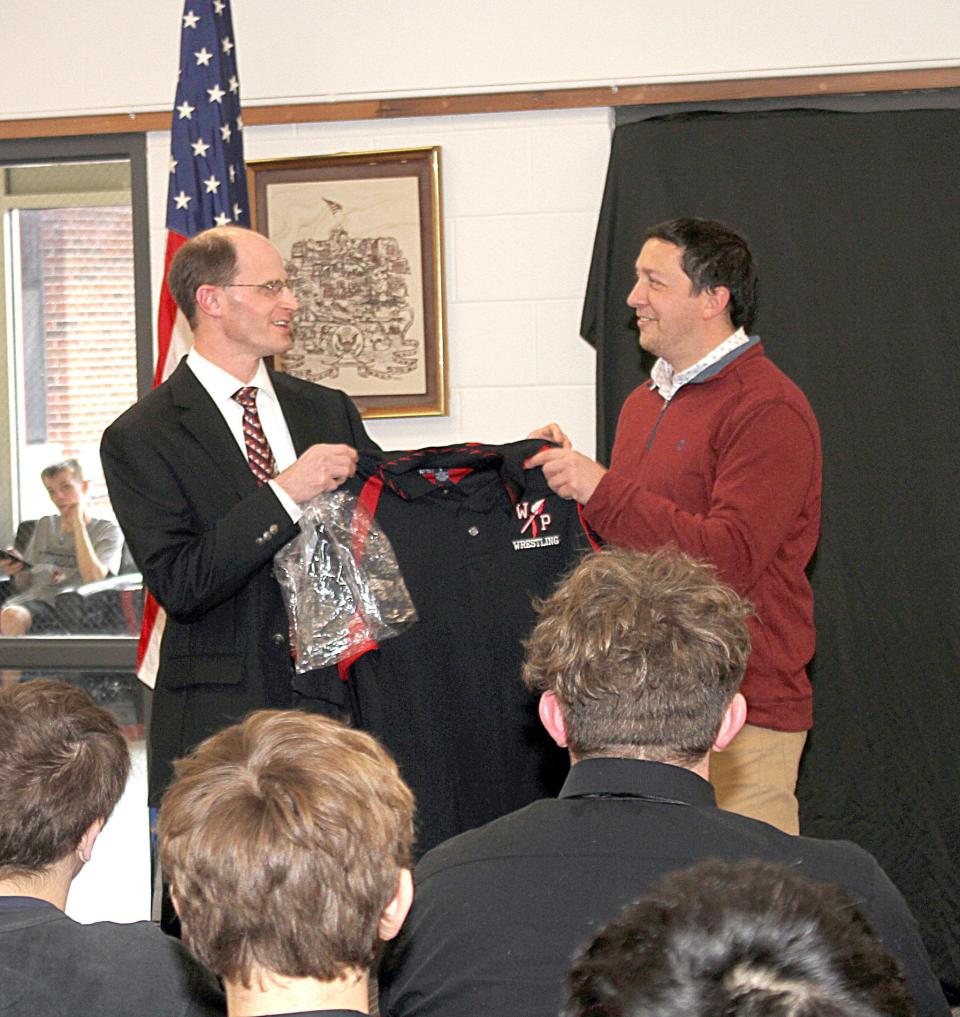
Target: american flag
{"points": [[208, 187], [208, 184]]}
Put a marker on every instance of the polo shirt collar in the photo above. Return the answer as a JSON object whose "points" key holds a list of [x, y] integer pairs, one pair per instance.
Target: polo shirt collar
{"points": [[13, 903], [480, 470], [637, 777]]}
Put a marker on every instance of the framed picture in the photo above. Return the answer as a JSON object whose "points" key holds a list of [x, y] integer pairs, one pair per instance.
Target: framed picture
{"points": [[361, 235]]}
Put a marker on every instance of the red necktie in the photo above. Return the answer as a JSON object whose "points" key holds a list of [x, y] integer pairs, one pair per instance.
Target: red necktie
{"points": [[259, 454]]}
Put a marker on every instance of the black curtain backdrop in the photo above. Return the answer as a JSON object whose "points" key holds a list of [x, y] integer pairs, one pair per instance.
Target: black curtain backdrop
{"points": [[855, 222]]}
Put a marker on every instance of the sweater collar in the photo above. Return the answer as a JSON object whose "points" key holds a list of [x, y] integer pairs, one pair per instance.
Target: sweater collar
{"points": [[718, 366], [668, 382]]}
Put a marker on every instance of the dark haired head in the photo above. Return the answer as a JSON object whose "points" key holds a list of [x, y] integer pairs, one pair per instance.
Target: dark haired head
{"points": [[754, 939], [63, 765], [714, 255]]}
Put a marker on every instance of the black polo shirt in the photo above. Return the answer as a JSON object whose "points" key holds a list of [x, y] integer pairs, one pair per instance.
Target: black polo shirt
{"points": [[477, 538], [498, 912]]}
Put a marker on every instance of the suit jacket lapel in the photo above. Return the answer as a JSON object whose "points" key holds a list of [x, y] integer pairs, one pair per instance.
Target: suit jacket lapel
{"points": [[199, 415], [304, 417]]}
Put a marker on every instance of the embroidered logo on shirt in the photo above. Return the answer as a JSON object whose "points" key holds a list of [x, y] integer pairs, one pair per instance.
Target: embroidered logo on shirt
{"points": [[535, 522]]}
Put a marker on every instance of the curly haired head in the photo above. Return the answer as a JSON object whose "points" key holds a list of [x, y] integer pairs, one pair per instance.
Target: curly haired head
{"points": [[643, 651]]}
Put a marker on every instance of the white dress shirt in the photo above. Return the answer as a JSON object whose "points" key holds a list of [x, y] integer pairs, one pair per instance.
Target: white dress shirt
{"points": [[220, 385]]}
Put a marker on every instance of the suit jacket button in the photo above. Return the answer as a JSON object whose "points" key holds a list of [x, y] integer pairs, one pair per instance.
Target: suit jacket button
{"points": [[279, 638], [274, 529]]}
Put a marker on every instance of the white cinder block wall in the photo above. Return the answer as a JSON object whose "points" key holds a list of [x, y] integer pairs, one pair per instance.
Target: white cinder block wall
{"points": [[521, 194], [520, 198]]}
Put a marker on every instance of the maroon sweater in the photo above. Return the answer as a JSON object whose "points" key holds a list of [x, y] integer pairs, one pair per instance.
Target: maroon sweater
{"points": [[730, 471]]}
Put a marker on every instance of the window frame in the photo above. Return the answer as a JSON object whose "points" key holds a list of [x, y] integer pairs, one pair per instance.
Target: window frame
{"points": [[104, 653]]}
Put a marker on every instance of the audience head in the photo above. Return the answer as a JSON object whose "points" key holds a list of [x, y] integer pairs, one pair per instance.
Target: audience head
{"points": [[210, 257], [64, 482], [641, 654], [63, 766], [714, 255], [71, 466], [754, 939], [286, 842]]}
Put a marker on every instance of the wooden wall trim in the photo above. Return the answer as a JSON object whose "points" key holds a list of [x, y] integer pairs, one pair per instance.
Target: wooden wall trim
{"points": [[503, 102]]}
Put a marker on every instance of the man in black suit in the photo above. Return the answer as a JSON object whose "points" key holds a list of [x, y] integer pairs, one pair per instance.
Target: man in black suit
{"points": [[638, 659], [207, 490]]}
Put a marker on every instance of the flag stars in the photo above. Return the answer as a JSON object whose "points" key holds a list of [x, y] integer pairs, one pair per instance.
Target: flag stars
{"points": [[207, 134]]}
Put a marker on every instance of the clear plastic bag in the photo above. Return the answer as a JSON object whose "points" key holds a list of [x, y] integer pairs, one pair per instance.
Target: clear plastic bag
{"points": [[341, 583]]}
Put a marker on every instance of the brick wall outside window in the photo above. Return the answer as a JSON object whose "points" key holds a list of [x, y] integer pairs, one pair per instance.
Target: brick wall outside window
{"points": [[89, 318], [89, 332]]}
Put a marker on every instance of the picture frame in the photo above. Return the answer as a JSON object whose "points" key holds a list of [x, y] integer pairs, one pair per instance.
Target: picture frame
{"points": [[362, 238]]}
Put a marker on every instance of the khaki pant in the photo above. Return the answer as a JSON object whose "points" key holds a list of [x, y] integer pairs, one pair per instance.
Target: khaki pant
{"points": [[756, 775]]}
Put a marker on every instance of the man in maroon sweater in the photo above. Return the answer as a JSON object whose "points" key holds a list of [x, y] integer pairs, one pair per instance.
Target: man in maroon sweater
{"points": [[718, 454]]}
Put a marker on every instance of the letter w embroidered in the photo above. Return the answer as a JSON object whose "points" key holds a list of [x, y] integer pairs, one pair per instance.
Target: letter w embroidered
{"points": [[536, 518]]}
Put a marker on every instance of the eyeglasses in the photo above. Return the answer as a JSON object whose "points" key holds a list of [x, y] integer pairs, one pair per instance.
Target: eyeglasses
{"points": [[274, 286]]}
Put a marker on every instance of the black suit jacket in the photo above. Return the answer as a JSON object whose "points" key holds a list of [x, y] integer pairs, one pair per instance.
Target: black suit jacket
{"points": [[499, 911], [204, 535]]}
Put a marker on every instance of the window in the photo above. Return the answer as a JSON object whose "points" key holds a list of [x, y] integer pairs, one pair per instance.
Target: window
{"points": [[69, 259], [75, 324]]}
